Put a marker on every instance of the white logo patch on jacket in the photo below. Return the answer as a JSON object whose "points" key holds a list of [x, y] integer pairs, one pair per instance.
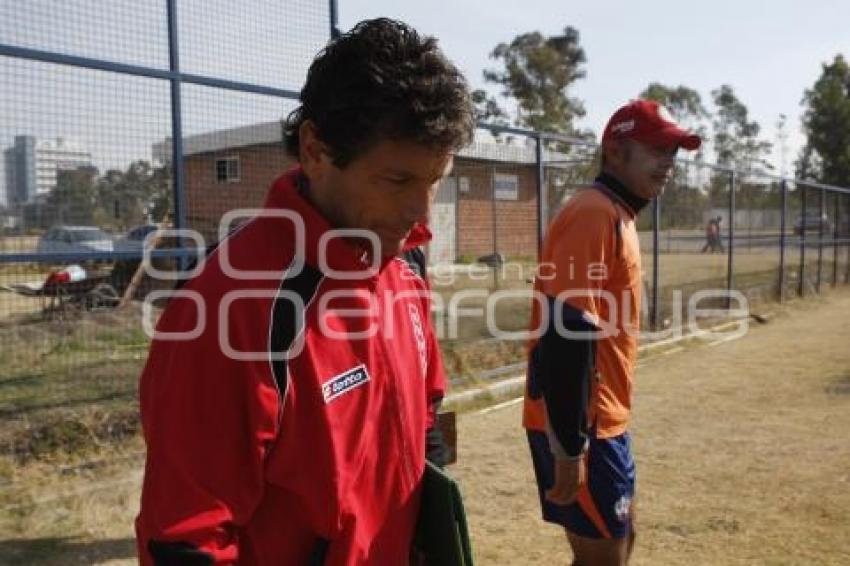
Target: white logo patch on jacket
{"points": [[344, 382]]}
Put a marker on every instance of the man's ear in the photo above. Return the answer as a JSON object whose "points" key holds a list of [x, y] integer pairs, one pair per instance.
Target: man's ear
{"points": [[312, 153], [614, 151]]}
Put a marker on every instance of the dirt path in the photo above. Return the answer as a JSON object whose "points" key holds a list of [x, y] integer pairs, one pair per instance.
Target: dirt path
{"points": [[743, 452]]}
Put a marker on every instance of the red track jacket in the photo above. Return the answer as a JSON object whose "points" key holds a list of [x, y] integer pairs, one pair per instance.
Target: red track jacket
{"points": [[285, 408]]}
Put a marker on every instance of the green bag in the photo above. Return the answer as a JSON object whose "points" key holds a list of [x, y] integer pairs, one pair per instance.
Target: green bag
{"points": [[442, 535]]}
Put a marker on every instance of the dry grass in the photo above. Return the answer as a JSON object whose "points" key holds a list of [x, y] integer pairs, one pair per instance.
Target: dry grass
{"points": [[76, 513], [18, 244], [756, 274], [742, 449]]}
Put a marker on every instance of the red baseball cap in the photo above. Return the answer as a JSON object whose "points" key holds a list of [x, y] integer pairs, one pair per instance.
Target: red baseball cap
{"points": [[648, 122]]}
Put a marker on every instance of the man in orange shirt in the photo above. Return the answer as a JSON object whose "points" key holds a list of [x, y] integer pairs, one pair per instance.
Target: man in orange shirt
{"points": [[579, 387]]}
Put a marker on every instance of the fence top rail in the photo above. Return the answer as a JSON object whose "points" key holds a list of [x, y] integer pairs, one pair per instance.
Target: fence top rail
{"points": [[553, 136], [49, 56], [140, 71]]}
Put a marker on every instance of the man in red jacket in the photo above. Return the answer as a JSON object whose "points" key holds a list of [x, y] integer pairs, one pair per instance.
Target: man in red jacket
{"points": [[291, 384]]}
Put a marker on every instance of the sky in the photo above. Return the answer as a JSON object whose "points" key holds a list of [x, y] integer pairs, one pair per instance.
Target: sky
{"points": [[769, 52], [770, 56], [119, 117]]}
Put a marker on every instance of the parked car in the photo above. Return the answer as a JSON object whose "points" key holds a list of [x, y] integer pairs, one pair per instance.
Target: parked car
{"points": [[72, 239], [134, 240], [812, 223]]}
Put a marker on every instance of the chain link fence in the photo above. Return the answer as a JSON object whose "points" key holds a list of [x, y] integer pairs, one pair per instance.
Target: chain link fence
{"points": [[715, 239], [119, 121]]}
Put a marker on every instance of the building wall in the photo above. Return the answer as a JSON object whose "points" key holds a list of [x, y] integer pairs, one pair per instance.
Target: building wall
{"points": [[10, 187], [20, 170], [443, 223], [515, 231], [472, 231], [32, 166], [207, 199], [758, 219], [53, 156]]}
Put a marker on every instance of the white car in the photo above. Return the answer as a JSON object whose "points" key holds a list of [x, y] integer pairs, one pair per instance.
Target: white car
{"points": [[71, 239]]}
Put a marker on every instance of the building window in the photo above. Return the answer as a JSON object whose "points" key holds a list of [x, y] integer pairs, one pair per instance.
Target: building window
{"points": [[505, 187], [227, 170]]}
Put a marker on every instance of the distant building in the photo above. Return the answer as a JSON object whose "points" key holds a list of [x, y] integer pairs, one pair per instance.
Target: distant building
{"points": [[234, 168], [32, 167]]}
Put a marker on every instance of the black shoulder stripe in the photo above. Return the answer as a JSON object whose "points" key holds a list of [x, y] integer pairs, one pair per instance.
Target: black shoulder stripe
{"points": [[415, 258], [174, 553], [286, 323]]}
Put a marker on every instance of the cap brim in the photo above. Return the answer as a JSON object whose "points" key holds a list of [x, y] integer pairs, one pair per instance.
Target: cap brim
{"points": [[690, 141], [682, 138]]}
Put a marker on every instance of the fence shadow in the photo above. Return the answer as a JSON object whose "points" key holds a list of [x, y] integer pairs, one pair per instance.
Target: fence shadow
{"points": [[65, 551]]}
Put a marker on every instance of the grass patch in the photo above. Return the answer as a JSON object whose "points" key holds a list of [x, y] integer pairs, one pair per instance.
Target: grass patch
{"points": [[65, 435]]}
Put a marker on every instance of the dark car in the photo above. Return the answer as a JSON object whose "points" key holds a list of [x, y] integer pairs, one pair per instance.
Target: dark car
{"points": [[135, 238], [812, 223]]}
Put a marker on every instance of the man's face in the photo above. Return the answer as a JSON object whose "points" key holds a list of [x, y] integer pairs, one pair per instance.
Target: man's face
{"points": [[645, 169], [386, 190]]}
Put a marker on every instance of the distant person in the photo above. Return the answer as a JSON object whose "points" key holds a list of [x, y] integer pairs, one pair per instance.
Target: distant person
{"points": [[718, 240], [711, 231], [304, 441], [579, 387]]}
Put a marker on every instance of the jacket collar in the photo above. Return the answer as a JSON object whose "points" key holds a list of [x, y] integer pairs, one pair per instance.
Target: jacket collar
{"points": [[615, 188], [341, 254]]}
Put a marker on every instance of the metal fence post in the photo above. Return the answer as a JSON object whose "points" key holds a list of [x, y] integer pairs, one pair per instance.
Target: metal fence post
{"points": [[730, 274], [654, 306], [334, 17], [542, 196], [177, 168], [493, 229], [847, 240], [782, 228], [820, 238], [801, 279], [836, 216], [456, 255]]}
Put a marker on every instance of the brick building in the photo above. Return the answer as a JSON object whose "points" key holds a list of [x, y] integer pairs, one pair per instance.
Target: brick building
{"points": [[489, 204]]}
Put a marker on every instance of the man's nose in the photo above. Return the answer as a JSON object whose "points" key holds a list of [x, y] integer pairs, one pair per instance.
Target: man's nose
{"points": [[418, 207]]}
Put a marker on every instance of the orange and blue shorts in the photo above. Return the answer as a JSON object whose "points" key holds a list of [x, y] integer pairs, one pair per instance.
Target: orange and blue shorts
{"points": [[603, 508]]}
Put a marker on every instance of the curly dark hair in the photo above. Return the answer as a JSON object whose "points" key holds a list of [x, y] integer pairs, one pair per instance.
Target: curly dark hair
{"points": [[382, 80]]}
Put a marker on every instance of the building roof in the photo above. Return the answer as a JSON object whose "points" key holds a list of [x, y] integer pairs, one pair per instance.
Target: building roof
{"points": [[222, 140], [272, 133]]}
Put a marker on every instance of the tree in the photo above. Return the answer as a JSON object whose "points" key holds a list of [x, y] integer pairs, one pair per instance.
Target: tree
{"points": [[737, 145], [736, 137], [826, 122], [537, 73], [130, 197], [685, 104], [487, 109], [72, 201]]}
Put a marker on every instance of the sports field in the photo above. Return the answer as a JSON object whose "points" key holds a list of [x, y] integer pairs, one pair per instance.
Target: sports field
{"points": [[743, 453]]}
